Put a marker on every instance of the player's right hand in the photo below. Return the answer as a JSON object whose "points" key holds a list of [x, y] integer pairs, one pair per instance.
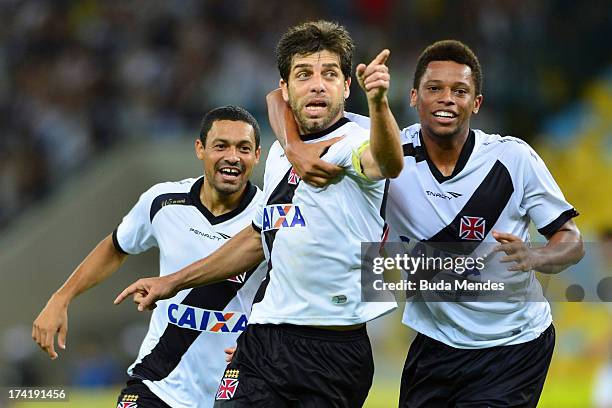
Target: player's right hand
{"points": [[374, 78], [147, 291], [305, 158], [52, 320]]}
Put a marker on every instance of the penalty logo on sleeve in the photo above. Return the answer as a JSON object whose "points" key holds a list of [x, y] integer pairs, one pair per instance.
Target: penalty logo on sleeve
{"points": [[228, 385]]}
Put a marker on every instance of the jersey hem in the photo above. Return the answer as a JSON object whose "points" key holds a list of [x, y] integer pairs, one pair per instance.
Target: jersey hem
{"points": [[318, 320], [523, 337]]}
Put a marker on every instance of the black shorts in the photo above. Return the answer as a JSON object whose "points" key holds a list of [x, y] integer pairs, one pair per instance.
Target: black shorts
{"points": [[436, 375], [136, 394], [298, 366]]}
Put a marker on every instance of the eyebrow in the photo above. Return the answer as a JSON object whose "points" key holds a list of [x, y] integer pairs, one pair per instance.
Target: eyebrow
{"points": [[223, 139], [437, 81], [327, 65]]}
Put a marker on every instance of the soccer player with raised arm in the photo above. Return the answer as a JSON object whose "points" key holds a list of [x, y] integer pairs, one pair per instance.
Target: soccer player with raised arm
{"points": [[462, 186], [306, 342], [181, 358]]}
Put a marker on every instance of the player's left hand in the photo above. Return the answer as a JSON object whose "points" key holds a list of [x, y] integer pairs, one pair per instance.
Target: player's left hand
{"points": [[305, 158], [517, 251], [374, 78], [230, 353]]}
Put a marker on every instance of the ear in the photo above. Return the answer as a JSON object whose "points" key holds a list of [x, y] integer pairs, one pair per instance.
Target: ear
{"points": [[413, 97], [347, 87], [477, 102], [257, 154], [284, 89], [199, 149]]}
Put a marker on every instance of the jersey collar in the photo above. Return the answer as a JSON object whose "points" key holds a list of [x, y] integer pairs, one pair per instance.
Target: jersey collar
{"points": [[325, 132], [464, 156], [247, 197]]}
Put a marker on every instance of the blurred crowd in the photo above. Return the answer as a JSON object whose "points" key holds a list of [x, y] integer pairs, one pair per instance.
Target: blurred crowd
{"points": [[77, 77]]}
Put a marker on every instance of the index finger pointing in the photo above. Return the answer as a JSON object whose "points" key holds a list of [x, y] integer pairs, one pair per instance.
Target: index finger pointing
{"points": [[382, 57], [126, 292]]}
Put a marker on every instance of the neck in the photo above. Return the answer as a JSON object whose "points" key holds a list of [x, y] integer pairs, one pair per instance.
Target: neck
{"points": [[217, 202], [306, 133], [444, 151]]}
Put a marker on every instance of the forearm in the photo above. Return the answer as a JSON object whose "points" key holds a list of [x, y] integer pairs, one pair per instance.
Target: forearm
{"points": [[281, 119], [564, 248], [101, 262], [241, 253], [385, 145]]}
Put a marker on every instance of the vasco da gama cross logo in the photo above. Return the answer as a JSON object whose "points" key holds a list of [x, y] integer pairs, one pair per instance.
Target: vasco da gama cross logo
{"points": [[472, 228]]}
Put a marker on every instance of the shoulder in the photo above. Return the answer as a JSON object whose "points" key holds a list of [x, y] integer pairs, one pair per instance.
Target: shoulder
{"points": [[506, 148], [168, 189], [361, 120], [258, 198], [353, 137], [275, 159], [410, 134], [275, 152], [181, 186], [276, 149]]}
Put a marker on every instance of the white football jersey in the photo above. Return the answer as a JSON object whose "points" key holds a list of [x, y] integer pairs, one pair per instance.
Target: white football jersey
{"points": [[181, 359], [312, 237], [499, 183]]}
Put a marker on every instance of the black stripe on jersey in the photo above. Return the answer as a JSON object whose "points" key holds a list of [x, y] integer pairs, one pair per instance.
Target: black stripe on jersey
{"points": [[116, 243], [168, 199], [417, 152], [282, 194], [247, 197], [554, 226], [193, 198], [175, 341], [466, 151], [324, 132], [383, 205], [488, 201]]}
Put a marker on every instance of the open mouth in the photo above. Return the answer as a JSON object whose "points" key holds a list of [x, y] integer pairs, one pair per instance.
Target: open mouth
{"points": [[445, 116], [230, 173], [316, 107]]}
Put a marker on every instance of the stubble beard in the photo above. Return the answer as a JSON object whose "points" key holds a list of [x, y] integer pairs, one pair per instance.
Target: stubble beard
{"points": [[308, 126]]}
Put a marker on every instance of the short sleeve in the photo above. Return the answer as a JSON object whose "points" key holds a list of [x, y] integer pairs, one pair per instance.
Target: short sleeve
{"points": [[258, 217], [361, 120], [135, 233], [543, 200], [347, 154]]}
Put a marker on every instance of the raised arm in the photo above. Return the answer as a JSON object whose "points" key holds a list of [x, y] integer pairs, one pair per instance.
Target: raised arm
{"points": [[101, 262], [305, 157], [383, 158], [239, 254]]}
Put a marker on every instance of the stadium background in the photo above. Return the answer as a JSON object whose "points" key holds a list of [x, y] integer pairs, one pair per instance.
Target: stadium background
{"points": [[100, 99]]}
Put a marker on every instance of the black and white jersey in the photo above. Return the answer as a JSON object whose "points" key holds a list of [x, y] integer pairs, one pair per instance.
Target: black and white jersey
{"points": [[499, 183], [181, 359], [312, 237]]}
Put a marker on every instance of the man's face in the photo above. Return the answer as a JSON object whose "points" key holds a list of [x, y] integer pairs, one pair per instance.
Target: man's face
{"points": [[446, 99], [316, 90], [229, 155]]}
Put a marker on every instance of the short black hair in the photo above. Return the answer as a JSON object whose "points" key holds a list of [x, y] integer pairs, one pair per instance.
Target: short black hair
{"points": [[449, 50], [314, 36], [229, 112]]}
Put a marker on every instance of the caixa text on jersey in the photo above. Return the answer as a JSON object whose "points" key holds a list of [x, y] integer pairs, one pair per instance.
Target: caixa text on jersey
{"points": [[214, 321]]}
